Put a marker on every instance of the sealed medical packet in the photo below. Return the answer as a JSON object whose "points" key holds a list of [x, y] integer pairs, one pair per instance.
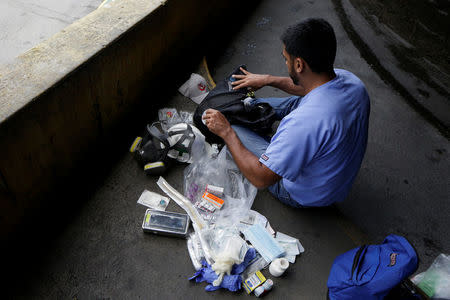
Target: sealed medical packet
{"points": [[166, 223], [153, 200]]}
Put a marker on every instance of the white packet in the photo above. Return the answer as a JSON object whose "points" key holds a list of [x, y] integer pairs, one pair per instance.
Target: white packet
{"points": [[286, 238], [153, 200]]}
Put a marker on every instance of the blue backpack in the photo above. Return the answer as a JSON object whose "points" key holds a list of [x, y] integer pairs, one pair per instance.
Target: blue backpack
{"points": [[370, 272]]}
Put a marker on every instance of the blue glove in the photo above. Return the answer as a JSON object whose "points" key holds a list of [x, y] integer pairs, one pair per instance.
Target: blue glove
{"points": [[231, 282]]}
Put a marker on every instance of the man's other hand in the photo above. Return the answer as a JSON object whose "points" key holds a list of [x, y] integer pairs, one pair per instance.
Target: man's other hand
{"points": [[217, 123], [250, 80]]}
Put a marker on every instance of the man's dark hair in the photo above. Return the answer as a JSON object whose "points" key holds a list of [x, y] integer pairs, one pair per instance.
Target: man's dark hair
{"points": [[314, 41]]}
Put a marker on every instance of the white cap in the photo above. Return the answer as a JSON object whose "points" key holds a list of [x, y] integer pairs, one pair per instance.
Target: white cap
{"points": [[195, 88]]}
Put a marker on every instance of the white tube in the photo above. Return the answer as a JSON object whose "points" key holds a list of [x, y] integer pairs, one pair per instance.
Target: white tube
{"points": [[183, 202], [197, 221]]}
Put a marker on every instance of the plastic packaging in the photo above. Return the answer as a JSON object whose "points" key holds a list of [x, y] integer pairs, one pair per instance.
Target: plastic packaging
{"points": [[253, 281], [282, 237], [168, 117], [255, 265], [197, 221], [232, 252], [231, 282], [291, 246], [153, 200], [220, 171], [263, 288], [251, 218], [187, 117], [263, 242], [166, 223], [435, 281], [259, 291], [214, 241], [195, 251]]}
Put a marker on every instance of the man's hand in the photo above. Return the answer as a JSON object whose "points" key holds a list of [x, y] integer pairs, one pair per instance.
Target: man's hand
{"points": [[256, 81], [217, 123], [250, 80]]}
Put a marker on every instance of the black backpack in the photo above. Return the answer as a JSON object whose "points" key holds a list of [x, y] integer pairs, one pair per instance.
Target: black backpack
{"points": [[223, 98]]}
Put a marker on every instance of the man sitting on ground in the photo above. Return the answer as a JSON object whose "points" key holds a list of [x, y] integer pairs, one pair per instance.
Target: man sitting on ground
{"points": [[317, 150]]}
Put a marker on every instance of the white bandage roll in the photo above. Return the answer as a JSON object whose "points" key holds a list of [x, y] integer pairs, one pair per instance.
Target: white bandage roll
{"points": [[278, 266]]}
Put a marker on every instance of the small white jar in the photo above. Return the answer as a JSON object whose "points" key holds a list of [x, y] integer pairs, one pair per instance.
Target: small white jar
{"points": [[278, 266]]}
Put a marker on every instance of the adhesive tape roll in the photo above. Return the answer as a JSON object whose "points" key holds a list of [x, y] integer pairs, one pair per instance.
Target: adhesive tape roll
{"points": [[278, 266]]}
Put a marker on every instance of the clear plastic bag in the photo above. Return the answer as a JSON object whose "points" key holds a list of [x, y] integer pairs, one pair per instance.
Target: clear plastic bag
{"points": [[195, 250], [435, 281], [186, 117], [214, 241], [220, 171], [170, 117]]}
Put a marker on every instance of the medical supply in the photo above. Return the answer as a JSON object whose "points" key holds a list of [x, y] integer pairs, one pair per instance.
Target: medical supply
{"points": [[263, 288], [263, 242], [259, 291], [257, 264], [215, 190], [254, 217], [270, 229], [435, 281], [166, 223], [254, 281], [231, 282], [184, 203], [205, 206], [214, 200], [229, 256], [153, 200], [195, 261], [268, 285], [286, 238], [291, 258], [221, 171], [192, 191], [291, 246], [278, 266]]}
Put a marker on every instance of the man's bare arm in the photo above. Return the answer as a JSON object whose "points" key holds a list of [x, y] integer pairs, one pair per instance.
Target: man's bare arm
{"points": [[257, 81], [257, 173]]}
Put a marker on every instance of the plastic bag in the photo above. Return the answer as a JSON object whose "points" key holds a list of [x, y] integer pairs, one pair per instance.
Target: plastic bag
{"points": [[197, 221], [214, 239], [435, 281], [222, 247], [186, 117], [170, 116], [195, 251], [153, 200], [220, 171]]}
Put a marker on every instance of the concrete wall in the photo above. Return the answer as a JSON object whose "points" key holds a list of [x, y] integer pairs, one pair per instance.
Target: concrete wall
{"points": [[59, 99]]}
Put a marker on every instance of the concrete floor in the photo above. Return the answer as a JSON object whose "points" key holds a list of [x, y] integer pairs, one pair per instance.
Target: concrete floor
{"points": [[101, 252], [26, 23]]}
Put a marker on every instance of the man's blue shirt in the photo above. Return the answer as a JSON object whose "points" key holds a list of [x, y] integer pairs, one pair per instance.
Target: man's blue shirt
{"points": [[319, 146]]}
